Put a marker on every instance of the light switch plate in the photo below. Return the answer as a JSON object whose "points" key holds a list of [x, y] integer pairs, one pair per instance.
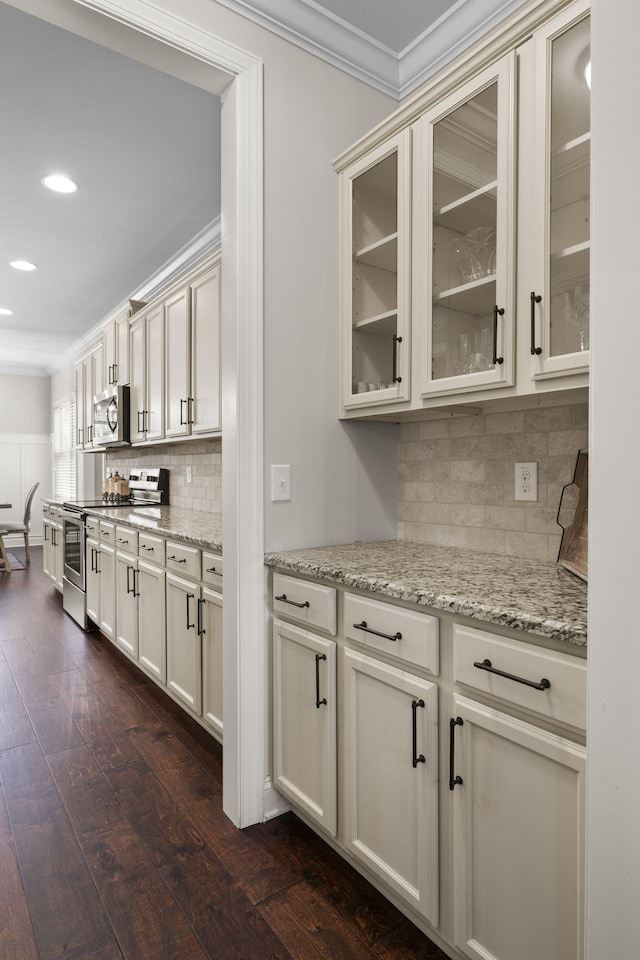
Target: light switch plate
{"points": [[280, 481]]}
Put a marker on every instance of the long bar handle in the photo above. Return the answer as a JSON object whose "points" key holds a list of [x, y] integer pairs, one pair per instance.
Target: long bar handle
{"points": [[292, 602], [129, 569], [497, 312], [190, 596], [415, 758], [136, 583], [544, 684], [396, 341], [217, 574], [319, 702], [173, 557], [183, 423], [200, 629], [453, 779], [376, 633], [535, 298]]}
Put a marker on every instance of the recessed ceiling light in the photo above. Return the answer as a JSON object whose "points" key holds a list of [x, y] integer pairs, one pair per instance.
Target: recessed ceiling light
{"points": [[5, 313], [59, 183], [22, 265]]}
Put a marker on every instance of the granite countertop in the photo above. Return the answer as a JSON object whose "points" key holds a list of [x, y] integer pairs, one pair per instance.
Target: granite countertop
{"points": [[530, 595], [184, 526]]}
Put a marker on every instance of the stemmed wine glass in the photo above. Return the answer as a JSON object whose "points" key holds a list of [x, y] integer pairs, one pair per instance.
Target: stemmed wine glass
{"points": [[575, 310]]}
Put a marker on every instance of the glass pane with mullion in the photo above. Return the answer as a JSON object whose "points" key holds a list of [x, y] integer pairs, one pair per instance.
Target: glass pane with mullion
{"points": [[569, 220]]}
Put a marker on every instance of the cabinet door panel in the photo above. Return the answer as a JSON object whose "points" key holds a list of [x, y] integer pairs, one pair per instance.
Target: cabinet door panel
{"points": [[92, 568], [154, 370], [126, 605], [205, 352], [177, 364], [184, 646], [152, 641], [518, 838], [391, 803], [211, 624], [107, 561], [122, 349], [137, 347], [304, 678]]}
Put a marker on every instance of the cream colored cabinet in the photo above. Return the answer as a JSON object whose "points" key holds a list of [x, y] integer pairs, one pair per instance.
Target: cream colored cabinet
{"points": [[146, 358], [559, 295], [391, 778], [52, 552], [304, 722], [209, 624], [116, 349], [88, 381], [78, 388], [107, 572], [192, 356], [46, 548], [140, 601], [184, 643], [92, 567], [479, 260], [126, 569]]}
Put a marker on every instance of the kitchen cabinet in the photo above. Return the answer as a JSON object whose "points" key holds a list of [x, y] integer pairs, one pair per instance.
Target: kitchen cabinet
{"points": [[140, 603], [100, 568], [92, 567], [88, 380], [304, 722], [52, 552], [126, 570], [177, 379], [391, 777], [465, 232], [184, 642], [210, 611], [115, 340], [146, 359]]}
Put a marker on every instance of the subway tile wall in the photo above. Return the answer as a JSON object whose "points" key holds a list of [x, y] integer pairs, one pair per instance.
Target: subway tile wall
{"points": [[203, 456], [456, 479]]}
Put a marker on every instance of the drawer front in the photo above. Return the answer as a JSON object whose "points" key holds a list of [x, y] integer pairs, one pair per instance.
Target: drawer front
{"points": [[561, 691], [151, 548], [92, 527], [126, 539], [107, 532], [183, 560], [305, 601], [407, 634], [45, 509], [212, 570]]}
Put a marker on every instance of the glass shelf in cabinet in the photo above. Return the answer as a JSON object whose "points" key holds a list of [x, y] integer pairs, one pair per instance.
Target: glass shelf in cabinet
{"points": [[477, 297], [474, 209], [384, 324], [382, 254]]}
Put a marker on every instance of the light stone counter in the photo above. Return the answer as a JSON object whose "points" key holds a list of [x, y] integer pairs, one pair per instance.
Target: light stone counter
{"points": [[529, 595], [184, 526]]}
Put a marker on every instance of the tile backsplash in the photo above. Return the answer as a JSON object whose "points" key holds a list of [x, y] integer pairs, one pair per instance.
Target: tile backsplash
{"points": [[456, 479], [203, 456]]}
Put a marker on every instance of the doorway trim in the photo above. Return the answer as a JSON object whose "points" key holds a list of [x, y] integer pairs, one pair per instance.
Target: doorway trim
{"points": [[244, 610]]}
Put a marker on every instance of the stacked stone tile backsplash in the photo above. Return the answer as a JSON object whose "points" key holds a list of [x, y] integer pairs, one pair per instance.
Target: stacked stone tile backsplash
{"points": [[203, 456], [456, 478]]}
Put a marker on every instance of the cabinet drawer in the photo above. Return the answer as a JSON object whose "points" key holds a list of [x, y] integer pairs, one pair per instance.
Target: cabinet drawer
{"points": [[184, 560], [92, 527], [126, 539], [562, 695], [305, 601], [212, 570], [45, 509], [107, 532], [407, 634], [151, 548]]}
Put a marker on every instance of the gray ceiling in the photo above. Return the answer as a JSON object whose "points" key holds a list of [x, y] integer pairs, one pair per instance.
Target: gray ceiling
{"points": [[145, 149], [394, 23]]}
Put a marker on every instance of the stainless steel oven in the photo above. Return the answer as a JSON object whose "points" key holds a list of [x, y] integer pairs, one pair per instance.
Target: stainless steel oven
{"points": [[111, 417], [74, 584]]}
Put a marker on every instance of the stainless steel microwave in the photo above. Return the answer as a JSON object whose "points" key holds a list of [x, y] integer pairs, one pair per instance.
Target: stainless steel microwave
{"points": [[111, 417]]}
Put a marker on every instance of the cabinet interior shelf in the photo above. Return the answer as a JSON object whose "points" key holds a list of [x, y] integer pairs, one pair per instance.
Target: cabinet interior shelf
{"points": [[571, 262], [383, 324], [578, 143], [382, 254], [477, 297], [474, 209]]}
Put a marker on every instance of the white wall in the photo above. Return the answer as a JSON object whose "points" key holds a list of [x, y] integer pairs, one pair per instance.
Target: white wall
{"points": [[614, 649], [25, 404]]}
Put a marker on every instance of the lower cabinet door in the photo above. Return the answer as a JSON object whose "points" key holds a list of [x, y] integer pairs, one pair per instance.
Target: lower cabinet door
{"points": [[210, 625], [46, 549], [391, 778], [126, 605], [518, 838], [107, 564], [184, 646], [152, 635], [92, 567], [304, 721]]}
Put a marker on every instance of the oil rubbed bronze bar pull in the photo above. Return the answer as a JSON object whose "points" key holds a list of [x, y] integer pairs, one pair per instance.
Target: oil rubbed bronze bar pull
{"points": [[386, 636], [215, 572], [486, 665], [200, 629], [292, 602], [453, 723], [416, 759], [136, 584], [396, 341], [140, 414], [319, 702], [189, 596], [175, 559], [183, 423], [497, 312], [129, 569], [535, 298]]}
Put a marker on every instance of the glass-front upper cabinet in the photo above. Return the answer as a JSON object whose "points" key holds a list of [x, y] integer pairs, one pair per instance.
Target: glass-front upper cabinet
{"points": [[464, 234], [375, 202], [560, 298]]}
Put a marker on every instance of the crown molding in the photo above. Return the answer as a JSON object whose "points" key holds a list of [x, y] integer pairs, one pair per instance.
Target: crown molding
{"points": [[320, 32]]}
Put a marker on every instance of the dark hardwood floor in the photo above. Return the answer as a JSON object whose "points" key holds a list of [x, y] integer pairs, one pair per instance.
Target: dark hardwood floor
{"points": [[112, 838]]}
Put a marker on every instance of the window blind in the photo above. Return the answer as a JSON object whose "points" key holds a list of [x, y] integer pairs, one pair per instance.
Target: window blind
{"points": [[64, 454]]}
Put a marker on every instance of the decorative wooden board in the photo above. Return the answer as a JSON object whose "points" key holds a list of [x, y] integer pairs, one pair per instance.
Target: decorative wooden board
{"points": [[573, 518]]}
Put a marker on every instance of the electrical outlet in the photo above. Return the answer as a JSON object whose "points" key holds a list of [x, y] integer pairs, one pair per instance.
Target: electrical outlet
{"points": [[189, 475], [280, 481], [526, 481]]}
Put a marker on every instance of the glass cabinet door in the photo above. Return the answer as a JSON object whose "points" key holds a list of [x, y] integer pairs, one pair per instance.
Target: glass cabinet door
{"points": [[376, 276], [464, 263], [560, 300]]}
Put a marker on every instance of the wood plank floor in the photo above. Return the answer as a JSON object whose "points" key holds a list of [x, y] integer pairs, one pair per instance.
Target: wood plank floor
{"points": [[113, 843]]}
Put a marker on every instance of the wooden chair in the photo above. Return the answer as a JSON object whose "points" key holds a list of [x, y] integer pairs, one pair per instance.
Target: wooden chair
{"points": [[16, 526]]}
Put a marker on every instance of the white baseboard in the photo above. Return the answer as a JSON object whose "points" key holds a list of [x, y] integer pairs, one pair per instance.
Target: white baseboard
{"points": [[274, 803], [17, 540]]}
